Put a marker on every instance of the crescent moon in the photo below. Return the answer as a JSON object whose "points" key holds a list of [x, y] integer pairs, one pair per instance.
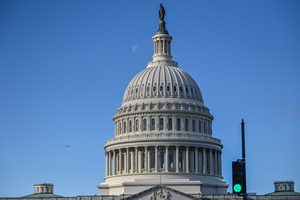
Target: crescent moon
{"points": [[134, 47]]}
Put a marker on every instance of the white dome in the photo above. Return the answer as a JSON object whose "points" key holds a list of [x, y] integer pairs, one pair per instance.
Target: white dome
{"points": [[162, 81]]}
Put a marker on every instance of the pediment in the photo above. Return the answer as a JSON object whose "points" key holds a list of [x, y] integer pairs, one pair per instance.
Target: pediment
{"points": [[160, 192]]}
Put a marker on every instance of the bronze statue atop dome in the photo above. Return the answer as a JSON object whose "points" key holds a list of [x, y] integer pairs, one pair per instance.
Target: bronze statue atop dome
{"points": [[161, 12]]}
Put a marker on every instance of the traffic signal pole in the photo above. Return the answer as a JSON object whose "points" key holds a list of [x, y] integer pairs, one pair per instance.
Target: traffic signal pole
{"points": [[244, 156]]}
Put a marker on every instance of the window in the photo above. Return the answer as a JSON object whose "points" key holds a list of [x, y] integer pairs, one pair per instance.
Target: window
{"points": [[136, 90], [204, 126], [136, 125], [161, 88], [170, 127], [120, 127], [174, 88], [192, 90], [193, 126], [130, 126], [178, 125], [154, 88], [144, 124], [181, 90], [148, 89], [124, 127], [152, 124], [168, 88], [199, 124], [187, 90], [186, 125], [161, 124]]}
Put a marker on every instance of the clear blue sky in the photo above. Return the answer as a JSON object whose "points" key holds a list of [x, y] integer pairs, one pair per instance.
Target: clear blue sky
{"points": [[64, 67]]}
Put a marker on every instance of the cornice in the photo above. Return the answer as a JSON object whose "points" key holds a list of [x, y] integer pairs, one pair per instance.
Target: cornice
{"points": [[163, 137]]}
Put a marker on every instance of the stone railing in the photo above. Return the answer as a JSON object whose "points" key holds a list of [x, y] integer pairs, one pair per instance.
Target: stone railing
{"points": [[162, 136]]}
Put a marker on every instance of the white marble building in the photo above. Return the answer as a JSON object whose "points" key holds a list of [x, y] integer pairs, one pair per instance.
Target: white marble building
{"points": [[163, 132]]}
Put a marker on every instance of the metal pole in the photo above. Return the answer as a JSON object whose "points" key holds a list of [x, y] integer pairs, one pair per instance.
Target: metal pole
{"points": [[244, 156], [243, 140]]}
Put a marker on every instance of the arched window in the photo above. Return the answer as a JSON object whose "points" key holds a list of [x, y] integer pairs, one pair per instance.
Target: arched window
{"points": [[178, 125], [186, 125], [136, 125], [152, 124], [193, 126], [170, 126], [144, 124], [161, 88], [161, 124], [199, 126], [124, 127], [130, 126]]}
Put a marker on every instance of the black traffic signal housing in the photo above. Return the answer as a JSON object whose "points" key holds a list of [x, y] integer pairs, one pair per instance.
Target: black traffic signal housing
{"points": [[238, 177]]}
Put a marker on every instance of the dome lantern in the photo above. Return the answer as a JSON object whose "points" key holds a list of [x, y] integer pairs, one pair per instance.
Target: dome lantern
{"points": [[162, 39]]}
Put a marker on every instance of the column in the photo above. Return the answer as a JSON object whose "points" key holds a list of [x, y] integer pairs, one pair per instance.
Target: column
{"points": [[187, 158], [115, 162], [106, 163], [156, 161], [196, 160], [183, 161], [120, 161], [136, 161], [220, 163], [149, 160], [204, 160], [109, 163], [146, 159], [210, 162], [177, 158], [139, 161], [131, 161], [192, 154], [167, 159], [215, 163], [127, 161]]}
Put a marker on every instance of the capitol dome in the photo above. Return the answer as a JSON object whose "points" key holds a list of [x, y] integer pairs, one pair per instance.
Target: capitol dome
{"points": [[163, 132], [165, 80]]}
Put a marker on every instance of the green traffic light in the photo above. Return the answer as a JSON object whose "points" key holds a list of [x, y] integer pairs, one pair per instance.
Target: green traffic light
{"points": [[237, 187]]}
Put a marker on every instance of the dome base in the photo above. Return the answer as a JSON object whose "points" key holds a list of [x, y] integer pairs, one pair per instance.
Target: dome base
{"points": [[188, 183]]}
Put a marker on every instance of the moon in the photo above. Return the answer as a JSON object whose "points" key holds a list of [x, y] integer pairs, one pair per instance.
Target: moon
{"points": [[134, 47]]}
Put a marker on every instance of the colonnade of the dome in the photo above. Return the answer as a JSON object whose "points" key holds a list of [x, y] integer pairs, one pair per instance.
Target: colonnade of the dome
{"points": [[158, 122], [155, 159]]}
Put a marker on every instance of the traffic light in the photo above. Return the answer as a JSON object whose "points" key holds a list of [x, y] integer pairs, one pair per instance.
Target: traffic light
{"points": [[238, 177]]}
